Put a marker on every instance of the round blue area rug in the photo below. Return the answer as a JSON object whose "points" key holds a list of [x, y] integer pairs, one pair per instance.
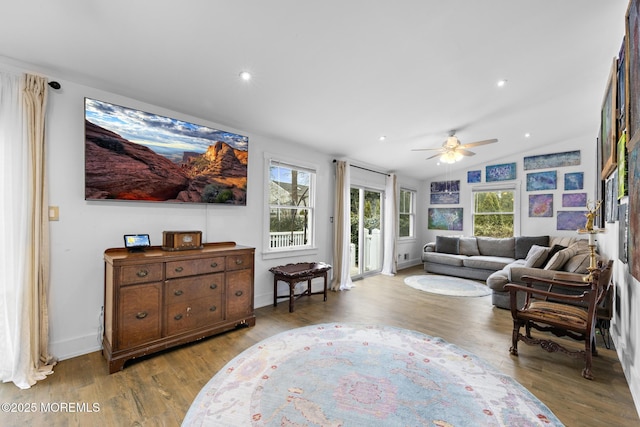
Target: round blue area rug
{"points": [[447, 285], [362, 375]]}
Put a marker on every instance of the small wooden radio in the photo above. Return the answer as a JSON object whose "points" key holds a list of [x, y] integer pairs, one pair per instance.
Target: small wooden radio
{"points": [[181, 240]]}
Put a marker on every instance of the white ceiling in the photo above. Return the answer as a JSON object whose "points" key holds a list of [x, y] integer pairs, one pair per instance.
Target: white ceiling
{"points": [[338, 74]]}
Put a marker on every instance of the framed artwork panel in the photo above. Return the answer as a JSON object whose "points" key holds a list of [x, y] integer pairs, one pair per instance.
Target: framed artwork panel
{"points": [[608, 137], [622, 166], [632, 73], [574, 181], [445, 219], [571, 220], [542, 181], [503, 172], [574, 200], [540, 205]]}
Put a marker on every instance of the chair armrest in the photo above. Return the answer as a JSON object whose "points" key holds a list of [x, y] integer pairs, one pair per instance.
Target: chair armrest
{"points": [[512, 288], [529, 280]]}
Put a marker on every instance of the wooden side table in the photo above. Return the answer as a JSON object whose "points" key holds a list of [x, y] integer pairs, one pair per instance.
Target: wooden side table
{"points": [[296, 273]]}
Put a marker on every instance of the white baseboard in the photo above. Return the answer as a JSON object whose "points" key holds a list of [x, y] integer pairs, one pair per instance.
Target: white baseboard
{"points": [[73, 347]]}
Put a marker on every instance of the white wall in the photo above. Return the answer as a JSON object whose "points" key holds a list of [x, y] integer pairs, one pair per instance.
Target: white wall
{"points": [[87, 228], [528, 226]]}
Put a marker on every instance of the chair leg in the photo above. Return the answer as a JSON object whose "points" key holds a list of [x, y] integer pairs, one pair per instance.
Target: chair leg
{"points": [[588, 358], [514, 338]]}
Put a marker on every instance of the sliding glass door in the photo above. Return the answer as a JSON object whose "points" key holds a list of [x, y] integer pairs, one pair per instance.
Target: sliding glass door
{"points": [[366, 231]]}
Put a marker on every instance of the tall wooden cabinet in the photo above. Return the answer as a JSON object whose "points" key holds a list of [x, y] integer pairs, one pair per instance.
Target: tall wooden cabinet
{"points": [[159, 299]]}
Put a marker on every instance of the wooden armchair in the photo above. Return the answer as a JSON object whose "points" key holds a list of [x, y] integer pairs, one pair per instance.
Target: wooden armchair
{"points": [[564, 308]]}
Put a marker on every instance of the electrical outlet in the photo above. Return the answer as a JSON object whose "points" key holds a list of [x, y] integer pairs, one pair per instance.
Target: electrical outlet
{"points": [[406, 256], [54, 213]]}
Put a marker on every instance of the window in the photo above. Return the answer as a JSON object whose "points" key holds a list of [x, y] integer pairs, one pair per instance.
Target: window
{"points": [[291, 206], [406, 210], [494, 212]]}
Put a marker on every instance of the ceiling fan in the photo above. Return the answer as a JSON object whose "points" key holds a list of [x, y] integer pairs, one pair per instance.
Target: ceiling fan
{"points": [[452, 151]]}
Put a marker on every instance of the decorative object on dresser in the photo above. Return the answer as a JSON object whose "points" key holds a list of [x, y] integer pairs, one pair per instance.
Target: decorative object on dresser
{"points": [[297, 273], [156, 299], [181, 240]]}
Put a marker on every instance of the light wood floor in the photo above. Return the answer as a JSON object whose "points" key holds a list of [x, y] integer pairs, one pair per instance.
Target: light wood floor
{"points": [[158, 390]]}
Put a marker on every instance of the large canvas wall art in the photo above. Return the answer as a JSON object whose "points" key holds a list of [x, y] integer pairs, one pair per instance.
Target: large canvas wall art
{"points": [[555, 160], [542, 181], [634, 208], [540, 205], [135, 155], [571, 220], [445, 219], [632, 68], [503, 172]]}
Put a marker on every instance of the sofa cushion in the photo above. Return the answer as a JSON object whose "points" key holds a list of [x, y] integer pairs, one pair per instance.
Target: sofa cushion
{"points": [[536, 256], [446, 259], [497, 280], [486, 262], [577, 263], [496, 247], [524, 243], [447, 245], [468, 246]]}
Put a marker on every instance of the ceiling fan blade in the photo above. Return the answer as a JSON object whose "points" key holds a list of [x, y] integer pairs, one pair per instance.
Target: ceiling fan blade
{"points": [[465, 152], [478, 143], [435, 155], [426, 149]]}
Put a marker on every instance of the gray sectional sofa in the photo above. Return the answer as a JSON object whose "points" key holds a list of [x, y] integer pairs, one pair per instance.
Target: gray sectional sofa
{"points": [[502, 261]]}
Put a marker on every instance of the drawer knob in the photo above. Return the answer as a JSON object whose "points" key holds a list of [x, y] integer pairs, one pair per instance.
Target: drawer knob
{"points": [[214, 286], [238, 261], [214, 264], [142, 273], [213, 308], [177, 316], [142, 315], [238, 293], [179, 269], [178, 292]]}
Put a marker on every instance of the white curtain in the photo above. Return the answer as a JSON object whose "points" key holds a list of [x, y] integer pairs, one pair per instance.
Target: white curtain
{"points": [[24, 242], [390, 263], [342, 229]]}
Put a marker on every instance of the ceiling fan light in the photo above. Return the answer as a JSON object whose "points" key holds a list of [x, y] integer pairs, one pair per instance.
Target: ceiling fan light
{"points": [[448, 157]]}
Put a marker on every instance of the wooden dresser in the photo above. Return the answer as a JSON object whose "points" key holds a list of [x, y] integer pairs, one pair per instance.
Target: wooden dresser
{"points": [[159, 299]]}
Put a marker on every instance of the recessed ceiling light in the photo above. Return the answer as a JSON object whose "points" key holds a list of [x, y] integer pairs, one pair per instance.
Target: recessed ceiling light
{"points": [[501, 83], [382, 137], [527, 135], [245, 75]]}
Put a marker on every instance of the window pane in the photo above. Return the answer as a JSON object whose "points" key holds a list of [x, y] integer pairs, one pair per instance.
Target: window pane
{"points": [[494, 213], [289, 186], [405, 225], [289, 227]]}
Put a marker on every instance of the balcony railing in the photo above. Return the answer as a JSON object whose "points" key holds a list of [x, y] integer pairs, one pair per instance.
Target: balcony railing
{"points": [[284, 239]]}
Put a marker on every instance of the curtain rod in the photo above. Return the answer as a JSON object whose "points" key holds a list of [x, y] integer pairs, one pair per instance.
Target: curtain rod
{"points": [[366, 169]]}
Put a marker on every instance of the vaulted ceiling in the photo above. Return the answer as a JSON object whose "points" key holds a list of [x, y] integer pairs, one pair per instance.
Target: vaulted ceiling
{"points": [[337, 75]]}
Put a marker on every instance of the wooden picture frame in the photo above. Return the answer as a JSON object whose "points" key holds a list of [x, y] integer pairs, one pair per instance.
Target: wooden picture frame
{"points": [[632, 73], [608, 136]]}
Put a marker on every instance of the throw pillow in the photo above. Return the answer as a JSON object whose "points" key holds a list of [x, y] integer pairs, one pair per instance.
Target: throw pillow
{"points": [[524, 243], [447, 245], [492, 246], [578, 263], [468, 246], [559, 259], [554, 250], [536, 256]]}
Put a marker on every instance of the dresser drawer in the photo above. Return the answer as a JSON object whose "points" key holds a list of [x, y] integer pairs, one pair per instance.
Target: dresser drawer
{"points": [[139, 320], [141, 273], [194, 314], [195, 287], [239, 294], [237, 262], [193, 267]]}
